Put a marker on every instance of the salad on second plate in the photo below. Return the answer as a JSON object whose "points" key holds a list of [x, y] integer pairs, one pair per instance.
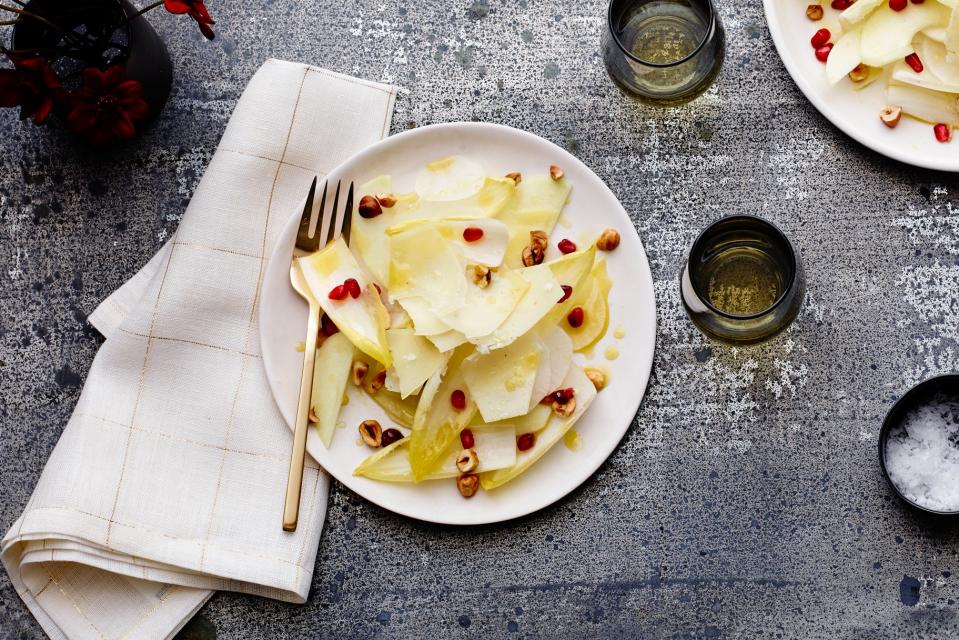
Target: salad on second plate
{"points": [[457, 309]]}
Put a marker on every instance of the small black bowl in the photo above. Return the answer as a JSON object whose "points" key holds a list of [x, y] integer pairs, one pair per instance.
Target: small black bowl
{"points": [[919, 395]]}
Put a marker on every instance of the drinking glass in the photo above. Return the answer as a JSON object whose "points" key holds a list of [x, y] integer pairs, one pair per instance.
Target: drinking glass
{"points": [[664, 52], [743, 281]]}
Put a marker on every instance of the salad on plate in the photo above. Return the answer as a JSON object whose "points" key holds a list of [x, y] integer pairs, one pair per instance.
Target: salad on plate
{"points": [[458, 308]]}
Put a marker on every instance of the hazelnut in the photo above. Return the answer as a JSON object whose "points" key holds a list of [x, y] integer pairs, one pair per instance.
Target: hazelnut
{"points": [[369, 207], [555, 172], [536, 251], [515, 176], [468, 484], [313, 417], [597, 377], [860, 73], [480, 275], [372, 384], [360, 370], [564, 407], [814, 12], [372, 433], [608, 240], [467, 461], [387, 200], [890, 116]]}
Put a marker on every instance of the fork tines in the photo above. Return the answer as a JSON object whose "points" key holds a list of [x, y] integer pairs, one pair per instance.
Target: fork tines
{"points": [[308, 236]]}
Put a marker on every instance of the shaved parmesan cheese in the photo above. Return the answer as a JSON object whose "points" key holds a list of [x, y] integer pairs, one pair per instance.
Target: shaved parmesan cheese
{"points": [[903, 73], [425, 322], [488, 250], [935, 58], [930, 106], [452, 178], [423, 265], [501, 382], [560, 349], [487, 308], [543, 294], [857, 12], [485, 203], [415, 359], [448, 340]]}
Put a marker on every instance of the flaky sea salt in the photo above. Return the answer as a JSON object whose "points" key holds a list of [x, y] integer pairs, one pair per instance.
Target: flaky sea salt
{"points": [[922, 454]]}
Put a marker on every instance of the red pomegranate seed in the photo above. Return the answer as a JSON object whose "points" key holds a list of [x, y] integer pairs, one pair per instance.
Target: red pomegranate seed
{"points": [[353, 287], [567, 246], [466, 439], [526, 441], [328, 327], [390, 436], [918, 1], [472, 234], [564, 395], [913, 61], [567, 292], [339, 292], [458, 400], [841, 5], [575, 317], [820, 38], [943, 132], [822, 53], [897, 5]]}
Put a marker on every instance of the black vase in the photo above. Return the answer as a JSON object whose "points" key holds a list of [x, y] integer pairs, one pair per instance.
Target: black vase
{"points": [[145, 58]]}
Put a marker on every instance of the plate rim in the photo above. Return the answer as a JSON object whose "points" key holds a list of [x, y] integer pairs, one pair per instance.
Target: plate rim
{"points": [[278, 253], [832, 114]]}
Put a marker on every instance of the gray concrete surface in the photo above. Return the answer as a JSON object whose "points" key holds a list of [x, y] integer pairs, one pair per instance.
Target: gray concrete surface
{"points": [[745, 502]]}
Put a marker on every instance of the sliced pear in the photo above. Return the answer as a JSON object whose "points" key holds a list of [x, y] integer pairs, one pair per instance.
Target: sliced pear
{"points": [[585, 392], [495, 449], [845, 55], [488, 250], [594, 299], [533, 422], [538, 203], [501, 382], [487, 308], [415, 359], [857, 12], [330, 373], [363, 320], [887, 35], [929, 106], [452, 178], [437, 423], [422, 265], [448, 340], [543, 294]]}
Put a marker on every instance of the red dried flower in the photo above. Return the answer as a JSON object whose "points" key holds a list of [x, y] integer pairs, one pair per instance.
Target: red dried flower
{"points": [[107, 105], [196, 10], [32, 85]]}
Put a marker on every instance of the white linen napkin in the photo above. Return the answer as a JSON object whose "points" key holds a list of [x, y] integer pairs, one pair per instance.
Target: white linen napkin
{"points": [[168, 481]]}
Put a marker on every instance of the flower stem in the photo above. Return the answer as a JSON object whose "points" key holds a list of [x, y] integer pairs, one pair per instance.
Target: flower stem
{"points": [[67, 35], [149, 7]]}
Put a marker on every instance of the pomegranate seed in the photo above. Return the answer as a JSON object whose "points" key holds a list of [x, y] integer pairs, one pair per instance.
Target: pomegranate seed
{"points": [[575, 317], [913, 61], [822, 53], [566, 246], [458, 400], [943, 132], [526, 441], [841, 5], [339, 292], [472, 234], [353, 287], [918, 1], [820, 38], [466, 439], [567, 292], [897, 5], [328, 327], [390, 436], [564, 395]]}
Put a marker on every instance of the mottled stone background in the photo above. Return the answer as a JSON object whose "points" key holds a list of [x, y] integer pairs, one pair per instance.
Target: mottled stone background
{"points": [[745, 502]]}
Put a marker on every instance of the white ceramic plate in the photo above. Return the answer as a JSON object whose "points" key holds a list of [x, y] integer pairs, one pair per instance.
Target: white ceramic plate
{"points": [[592, 207], [855, 112]]}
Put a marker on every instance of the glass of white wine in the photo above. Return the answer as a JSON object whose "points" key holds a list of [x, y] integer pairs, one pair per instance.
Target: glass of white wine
{"points": [[664, 52], [743, 281]]}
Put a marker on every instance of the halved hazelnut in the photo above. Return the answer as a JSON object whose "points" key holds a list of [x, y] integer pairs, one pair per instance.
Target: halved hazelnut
{"points": [[480, 275], [386, 200], [555, 172], [359, 372], [535, 253], [890, 116], [814, 12], [515, 176], [468, 484], [372, 433], [565, 407], [369, 207], [608, 240], [597, 377], [467, 461], [374, 383], [860, 73], [313, 417]]}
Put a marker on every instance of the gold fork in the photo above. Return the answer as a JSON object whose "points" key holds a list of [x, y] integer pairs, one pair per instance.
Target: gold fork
{"points": [[307, 243]]}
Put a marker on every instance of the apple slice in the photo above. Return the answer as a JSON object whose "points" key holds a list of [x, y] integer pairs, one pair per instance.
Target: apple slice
{"points": [[415, 359], [887, 35], [452, 178], [437, 422], [501, 382], [331, 370], [538, 203], [422, 265], [364, 319], [585, 392]]}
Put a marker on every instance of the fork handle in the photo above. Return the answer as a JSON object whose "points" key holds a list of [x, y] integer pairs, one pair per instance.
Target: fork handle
{"points": [[291, 508]]}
